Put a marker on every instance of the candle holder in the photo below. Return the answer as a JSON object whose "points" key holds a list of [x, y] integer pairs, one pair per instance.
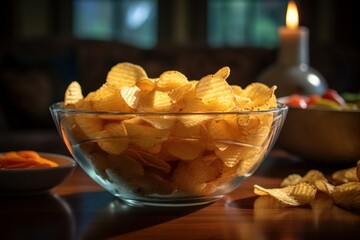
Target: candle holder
{"points": [[292, 73]]}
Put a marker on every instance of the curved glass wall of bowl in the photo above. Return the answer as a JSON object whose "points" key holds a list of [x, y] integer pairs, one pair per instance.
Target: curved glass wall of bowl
{"points": [[183, 164]]}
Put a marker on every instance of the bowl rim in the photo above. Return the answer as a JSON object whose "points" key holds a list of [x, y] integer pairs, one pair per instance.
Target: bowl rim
{"points": [[70, 163], [58, 107]]}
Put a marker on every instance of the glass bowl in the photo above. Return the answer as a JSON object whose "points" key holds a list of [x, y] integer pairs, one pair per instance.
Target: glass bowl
{"points": [[169, 159]]}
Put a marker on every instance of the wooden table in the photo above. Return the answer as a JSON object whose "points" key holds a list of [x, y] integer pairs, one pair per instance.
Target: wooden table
{"points": [[80, 209]]}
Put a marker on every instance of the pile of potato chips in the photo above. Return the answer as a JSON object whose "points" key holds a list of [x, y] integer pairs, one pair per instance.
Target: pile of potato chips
{"points": [[24, 159], [295, 190], [170, 134]]}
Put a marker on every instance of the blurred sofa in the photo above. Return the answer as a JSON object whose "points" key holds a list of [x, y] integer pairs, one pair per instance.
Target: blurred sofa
{"points": [[34, 74]]}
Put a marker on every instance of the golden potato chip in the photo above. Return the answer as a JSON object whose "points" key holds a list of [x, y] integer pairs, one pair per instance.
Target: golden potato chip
{"points": [[243, 104], [153, 149], [108, 98], [345, 175], [256, 133], [170, 80], [220, 133], [180, 95], [193, 120], [131, 96], [185, 142], [85, 103], [312, 176], [125, 173], [90, 124], [261, 95], [324, 186], [150, 160], [215, 92], [195, 177], [155, 184], [125, 74], [347, 195], [231, 155], [296, 195], [145, 136], [250, 160], [290, 180], [223, 72], [158, 121], [155, 101], [146, 84], [113, 138], [358, 171], [185, 150], [261, 191], [237, 90], [73, 93]]}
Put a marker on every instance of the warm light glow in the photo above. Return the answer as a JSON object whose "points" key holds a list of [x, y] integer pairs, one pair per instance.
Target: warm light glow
{"points": [[292, 16]]}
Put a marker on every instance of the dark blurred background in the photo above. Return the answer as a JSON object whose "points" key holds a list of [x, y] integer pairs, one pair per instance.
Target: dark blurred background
{"points": [[44, 45]]}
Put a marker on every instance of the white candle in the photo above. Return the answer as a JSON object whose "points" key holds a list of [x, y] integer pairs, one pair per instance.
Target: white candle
{"points": [[294, 40], [292, 72]]}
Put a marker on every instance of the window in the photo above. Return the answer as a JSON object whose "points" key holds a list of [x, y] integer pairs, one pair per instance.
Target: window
{"points": [[130, 21], [237, 23], [230, 23]]}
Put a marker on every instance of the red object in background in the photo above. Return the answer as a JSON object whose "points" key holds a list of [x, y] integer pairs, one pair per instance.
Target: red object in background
{"points": [[312, 99], [296, 100], [333, 95]]}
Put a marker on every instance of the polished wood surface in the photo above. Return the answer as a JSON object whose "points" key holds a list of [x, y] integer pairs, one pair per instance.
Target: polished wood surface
{"points": [[79, 209]]}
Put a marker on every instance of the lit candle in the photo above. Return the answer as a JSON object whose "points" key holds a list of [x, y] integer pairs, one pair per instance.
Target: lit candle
{"points": [[292, 72], [294, 40]]}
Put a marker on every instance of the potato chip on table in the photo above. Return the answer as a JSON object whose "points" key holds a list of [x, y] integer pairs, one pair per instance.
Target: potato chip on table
{"points": [[343, 188]]}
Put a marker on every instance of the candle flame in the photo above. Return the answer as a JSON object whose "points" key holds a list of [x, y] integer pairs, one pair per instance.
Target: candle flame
{"points": [[292, 16]]}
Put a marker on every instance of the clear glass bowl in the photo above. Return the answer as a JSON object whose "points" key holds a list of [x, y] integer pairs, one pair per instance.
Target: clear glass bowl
{"points": [[169, 159]]}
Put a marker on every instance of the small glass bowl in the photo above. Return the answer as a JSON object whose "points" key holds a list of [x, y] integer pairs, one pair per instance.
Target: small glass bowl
{"points": [[169, 159]]}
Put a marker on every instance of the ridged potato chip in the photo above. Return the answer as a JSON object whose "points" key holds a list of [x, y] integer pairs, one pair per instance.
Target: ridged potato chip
{"points": [[296, 195], [155, 101], [195, 177], [108, 98], [261, 95], [131, 96], [148, 160], [345, 175], [220, 133], [145, 136], [185, 151], [90, 124], [146, 84], [290, 180], [125, 74], [216, 93], [170, 80], [113, 138], [223, 72], [347, 195], [73, 93], [159, 122]]}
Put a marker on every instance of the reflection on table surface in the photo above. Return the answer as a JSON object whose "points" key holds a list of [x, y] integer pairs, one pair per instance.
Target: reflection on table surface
{"points": [[80, 209]]}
